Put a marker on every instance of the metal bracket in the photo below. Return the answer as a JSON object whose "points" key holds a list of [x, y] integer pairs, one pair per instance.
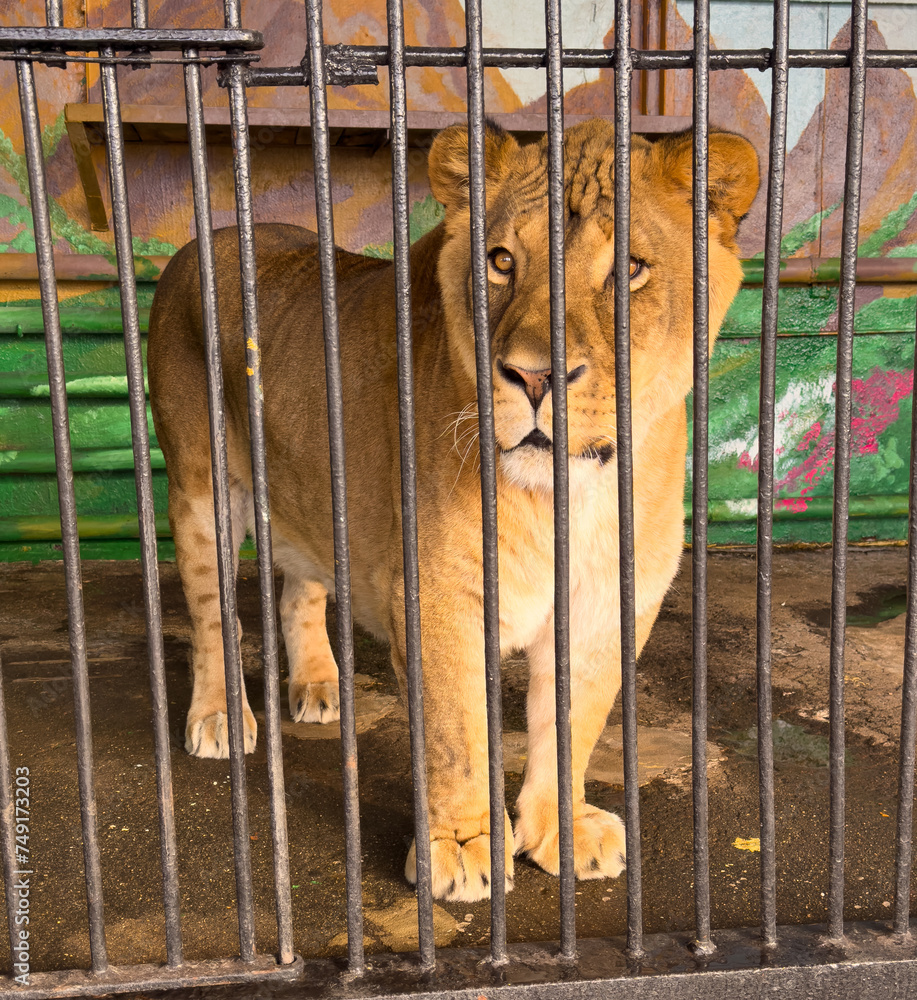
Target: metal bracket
{"points": [[345, 66]]}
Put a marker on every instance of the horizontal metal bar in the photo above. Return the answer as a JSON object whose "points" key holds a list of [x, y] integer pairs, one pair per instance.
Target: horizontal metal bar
{"points": [[874, 964], [137, 978], [763, 59], [126, 39], [131, 39], [137, 60], [504, 58]]}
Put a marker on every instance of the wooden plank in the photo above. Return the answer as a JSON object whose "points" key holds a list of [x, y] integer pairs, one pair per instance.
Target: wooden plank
{"points": [[82, 154]]}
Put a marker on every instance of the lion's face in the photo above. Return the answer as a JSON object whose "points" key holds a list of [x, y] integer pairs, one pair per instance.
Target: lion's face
{"points": [[519, 282]]}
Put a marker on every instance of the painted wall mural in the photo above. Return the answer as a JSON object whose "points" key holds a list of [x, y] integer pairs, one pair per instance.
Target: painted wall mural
{"points": [[159, 183]]}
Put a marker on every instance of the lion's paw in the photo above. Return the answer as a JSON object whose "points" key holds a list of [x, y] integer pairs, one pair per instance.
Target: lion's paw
{"points": [[315, 702], [209, 736], [461, 872], [598, 844]]}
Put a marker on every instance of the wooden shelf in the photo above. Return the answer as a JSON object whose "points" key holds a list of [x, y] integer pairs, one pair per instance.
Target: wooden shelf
{"points": [[287, 127]]}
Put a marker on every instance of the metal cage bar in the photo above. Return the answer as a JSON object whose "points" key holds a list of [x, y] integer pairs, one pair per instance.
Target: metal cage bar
{"points": [[226, 552], [562, 680], [321, 158], [54, 13], [625, 456], [904, 824], [140, 435], [701, 401], [408, 458], [487, 448], [842, 435], [70, 540], [25, 41], [140, 15], [251, 331], [766, 404], [516, 58]]}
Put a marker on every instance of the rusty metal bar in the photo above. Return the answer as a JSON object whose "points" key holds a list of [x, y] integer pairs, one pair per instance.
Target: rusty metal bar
{"points": [[321, 159], [480, 305], [222, 516], [143, 472], [559, 436], [625, 459], [842, 443], [76, 622]]}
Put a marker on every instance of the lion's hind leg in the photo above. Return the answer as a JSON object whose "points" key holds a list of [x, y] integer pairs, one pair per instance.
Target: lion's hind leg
{"points": [[313, 686], [192, 521]]}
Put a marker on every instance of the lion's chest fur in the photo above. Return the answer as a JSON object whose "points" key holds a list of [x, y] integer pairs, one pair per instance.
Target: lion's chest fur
{"points": [[527, 560]]}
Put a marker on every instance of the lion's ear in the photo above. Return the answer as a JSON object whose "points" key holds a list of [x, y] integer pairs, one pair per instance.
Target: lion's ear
{"points": [[732, 174], [448, 162]]}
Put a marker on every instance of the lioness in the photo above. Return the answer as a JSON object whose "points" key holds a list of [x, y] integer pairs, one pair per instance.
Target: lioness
{"points": [[448, 485]]}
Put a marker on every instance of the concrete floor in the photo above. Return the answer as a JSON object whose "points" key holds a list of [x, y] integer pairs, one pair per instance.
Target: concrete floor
{"points": [[33, 646]]}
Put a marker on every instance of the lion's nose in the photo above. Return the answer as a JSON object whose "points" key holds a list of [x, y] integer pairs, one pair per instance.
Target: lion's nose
{"points": [[535, 383]]}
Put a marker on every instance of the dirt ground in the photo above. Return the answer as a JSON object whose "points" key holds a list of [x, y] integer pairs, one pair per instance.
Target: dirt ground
{"points": [[35, 661]]}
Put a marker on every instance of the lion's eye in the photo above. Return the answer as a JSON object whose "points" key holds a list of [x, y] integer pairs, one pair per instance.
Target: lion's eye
{"points": [[501, 260], [638, 272]]}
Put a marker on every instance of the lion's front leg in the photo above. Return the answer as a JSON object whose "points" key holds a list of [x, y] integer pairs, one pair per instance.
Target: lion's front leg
{"points": [[598, 836], [456, 742]]}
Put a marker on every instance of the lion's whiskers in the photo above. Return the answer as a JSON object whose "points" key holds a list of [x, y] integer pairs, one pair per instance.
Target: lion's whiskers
{"points": [[468, 448], [467, 413]]}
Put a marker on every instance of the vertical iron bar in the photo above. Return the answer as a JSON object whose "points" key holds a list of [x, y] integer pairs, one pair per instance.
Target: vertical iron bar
{"points": [[765, 541], [140, 440], [54, 13], [8, 829], [555, 102], [846, 307], [321, 157], [701, 78], [654, 39], [413, 660], [222, 514], [625, 452], [252, 333], [905, 821], [238, 104], [31, 129], [487, 445], [140, 17]]}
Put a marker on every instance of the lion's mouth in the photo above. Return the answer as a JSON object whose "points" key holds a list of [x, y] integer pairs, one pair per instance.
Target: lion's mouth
{"points": [[604, 452]]}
